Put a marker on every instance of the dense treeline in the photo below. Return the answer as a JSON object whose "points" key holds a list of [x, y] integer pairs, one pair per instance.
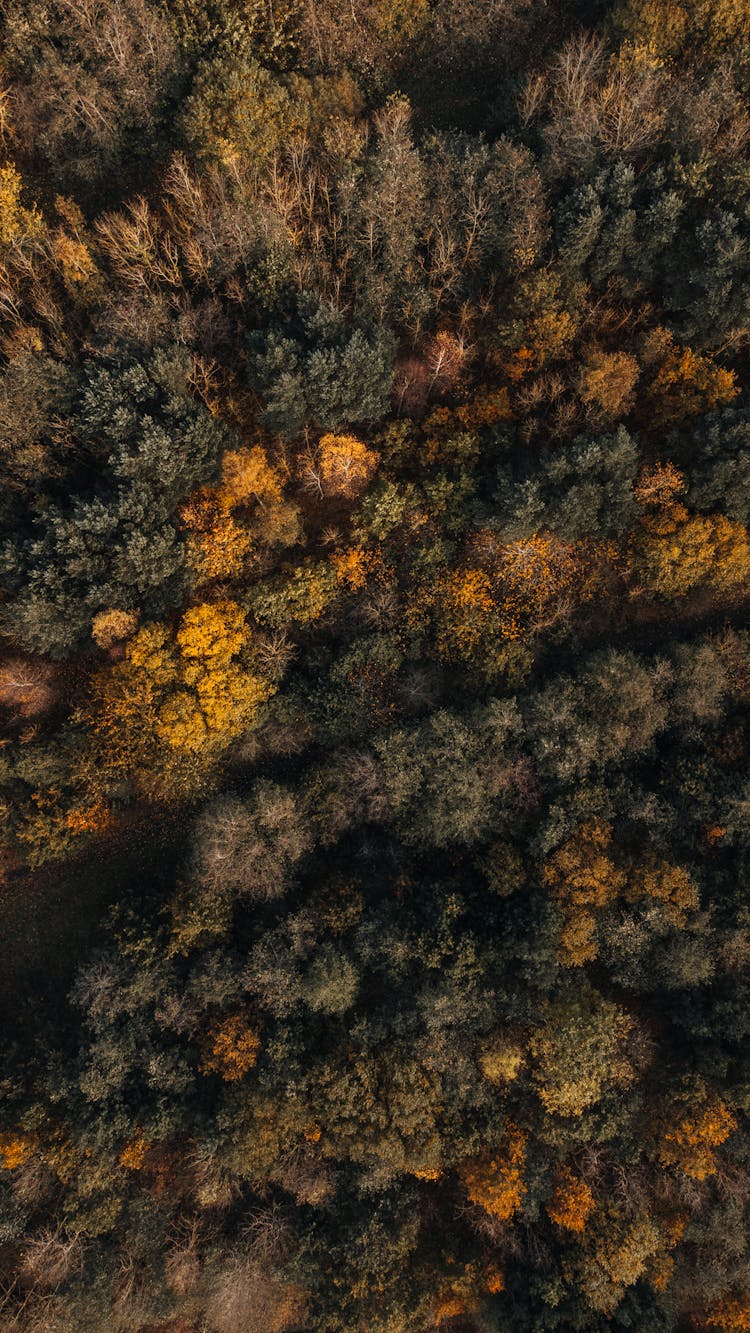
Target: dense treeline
{"points": [[375, 442]]}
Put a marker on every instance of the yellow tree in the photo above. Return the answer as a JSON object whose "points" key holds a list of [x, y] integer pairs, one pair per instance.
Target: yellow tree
{"points": [[675, 551], [582, 877], [341, 466], [691, 1142], [187, 693]]}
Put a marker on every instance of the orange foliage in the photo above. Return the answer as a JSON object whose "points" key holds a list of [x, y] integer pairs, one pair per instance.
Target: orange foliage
{"points": [[494, 1181], [685, 384], [658, 485], [534, 572], [580, 872], [690, 1144], [134, 1152], [427, 1173], [449, 1306], [714, 833], [15, 1150], [670, 885], [92, 818], [231, 1049], [354, 566], [572, 1203], [487, 407], [495, 1281], [732, 1315], [514, 589]]}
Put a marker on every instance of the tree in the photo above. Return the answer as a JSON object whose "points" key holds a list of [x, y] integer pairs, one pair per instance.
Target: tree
{"points": [[237, 112], [494, 1181], [26, 686], [342, 466], [230, 1048], [676, 552], [571, 1203], [690, 1143], [582, 490], [118, 546], [606, 382], [240, 849], [90, 84], [685, 383], [582, 876], [167, 711], [322, 370], [579, 1052]]}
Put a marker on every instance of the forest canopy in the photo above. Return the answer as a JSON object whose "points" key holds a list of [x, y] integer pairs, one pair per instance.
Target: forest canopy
{"points": [[374, 666]]}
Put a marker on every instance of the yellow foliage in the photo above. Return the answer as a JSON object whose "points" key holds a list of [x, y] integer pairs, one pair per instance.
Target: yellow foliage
{"points": [[246, 475], [690, 1144], [17, 223], [572, 1203], [231, 1049], [500, 1059], [186, 693], [677, 551], [74, 258], [670, 885], [213, 632], [220, 542], [495, 1181], [346, 465]]}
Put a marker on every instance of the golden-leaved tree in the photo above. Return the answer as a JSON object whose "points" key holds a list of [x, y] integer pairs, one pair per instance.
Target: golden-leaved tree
{"points": [[163, 716]]}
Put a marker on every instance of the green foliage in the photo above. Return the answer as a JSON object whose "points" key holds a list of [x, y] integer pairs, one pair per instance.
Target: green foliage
{"points": [[117, 545]]}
